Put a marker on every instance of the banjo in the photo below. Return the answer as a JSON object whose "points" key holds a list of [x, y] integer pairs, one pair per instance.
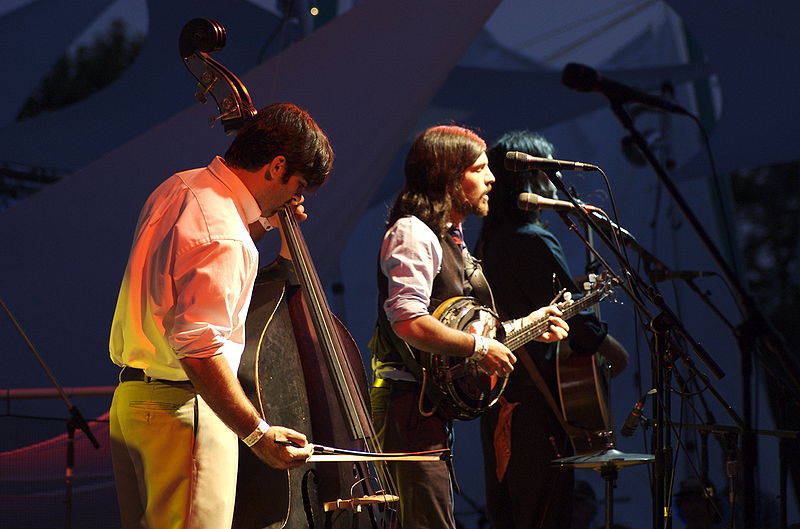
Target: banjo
{"points": [[457, 385]]}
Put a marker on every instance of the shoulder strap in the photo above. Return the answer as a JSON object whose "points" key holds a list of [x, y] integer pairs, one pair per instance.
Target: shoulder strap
{"points": [[474, 275], [536, 376]]}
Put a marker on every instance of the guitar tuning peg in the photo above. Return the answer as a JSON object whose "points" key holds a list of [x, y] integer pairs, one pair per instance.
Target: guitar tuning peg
{"points": [[201, 97]]}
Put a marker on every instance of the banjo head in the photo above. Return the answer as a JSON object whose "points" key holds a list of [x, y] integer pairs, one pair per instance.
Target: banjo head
{"points": [[468, 390]]}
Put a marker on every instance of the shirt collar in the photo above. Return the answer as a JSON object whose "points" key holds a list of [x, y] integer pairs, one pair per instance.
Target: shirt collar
{"points": [[454, 228], [248, 203], [456, 233]]}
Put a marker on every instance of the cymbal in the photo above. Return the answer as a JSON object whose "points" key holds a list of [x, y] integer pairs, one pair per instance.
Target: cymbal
{"points": [[609, 457]]}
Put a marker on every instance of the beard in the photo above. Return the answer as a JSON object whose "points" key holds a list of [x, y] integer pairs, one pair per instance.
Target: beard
{"points": [[482, 209], [465, 208]]}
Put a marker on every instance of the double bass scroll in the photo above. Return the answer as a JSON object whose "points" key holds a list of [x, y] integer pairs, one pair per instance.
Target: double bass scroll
{"points": [[199, 38]]}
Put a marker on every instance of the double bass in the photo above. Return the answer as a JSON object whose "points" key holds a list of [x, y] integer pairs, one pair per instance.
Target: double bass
{"points": [[300, 367]]}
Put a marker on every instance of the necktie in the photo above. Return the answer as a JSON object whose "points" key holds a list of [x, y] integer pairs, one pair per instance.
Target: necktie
{"points": [[458, 236]]}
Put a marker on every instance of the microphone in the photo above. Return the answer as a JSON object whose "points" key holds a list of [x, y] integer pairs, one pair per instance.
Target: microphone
{"points": [[532, 201], [668, 275], [519, 161], [632, 421], [582, 78]]}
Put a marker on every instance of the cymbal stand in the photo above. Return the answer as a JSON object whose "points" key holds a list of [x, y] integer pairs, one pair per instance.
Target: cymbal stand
{"points": [[607, 462]]}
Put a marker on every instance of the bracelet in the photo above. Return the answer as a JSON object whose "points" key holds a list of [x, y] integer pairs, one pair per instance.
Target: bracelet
{"points": [[480, 348], [257, 434], [265, 224]]}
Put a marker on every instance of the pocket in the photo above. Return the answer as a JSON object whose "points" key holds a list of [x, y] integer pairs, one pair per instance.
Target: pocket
{"points": [[150, 405]]}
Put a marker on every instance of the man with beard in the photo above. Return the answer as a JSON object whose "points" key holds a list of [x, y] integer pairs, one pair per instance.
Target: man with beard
{"points": [[423, 262]]}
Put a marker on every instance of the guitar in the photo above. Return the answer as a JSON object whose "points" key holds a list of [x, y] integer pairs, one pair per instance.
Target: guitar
{"points": [[456, 385], [582, 389]]}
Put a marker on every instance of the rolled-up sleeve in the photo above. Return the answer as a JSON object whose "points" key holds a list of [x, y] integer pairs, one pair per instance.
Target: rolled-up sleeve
{"points": [[410, 258], [209, 280]]}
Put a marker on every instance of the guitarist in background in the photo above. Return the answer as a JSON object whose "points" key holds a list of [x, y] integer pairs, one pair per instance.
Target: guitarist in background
{"points": [[423, 261], [522, 435]]}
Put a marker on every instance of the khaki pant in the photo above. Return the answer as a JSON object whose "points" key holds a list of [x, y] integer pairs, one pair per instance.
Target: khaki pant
{"points": [[175, 462]]}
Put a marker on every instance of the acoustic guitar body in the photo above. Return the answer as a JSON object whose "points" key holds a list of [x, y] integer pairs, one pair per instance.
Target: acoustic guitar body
{"points": [[582, 387]]}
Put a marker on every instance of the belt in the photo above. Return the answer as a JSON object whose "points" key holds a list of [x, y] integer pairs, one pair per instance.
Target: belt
{"points": [[399, 384], [132, 374]]}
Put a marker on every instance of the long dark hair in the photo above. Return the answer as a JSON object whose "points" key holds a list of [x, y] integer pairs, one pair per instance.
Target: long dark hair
{"points": [[434, 167]]}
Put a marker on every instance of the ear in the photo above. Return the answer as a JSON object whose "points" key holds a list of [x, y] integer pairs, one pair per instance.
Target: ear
{"points": [[275, 168]]}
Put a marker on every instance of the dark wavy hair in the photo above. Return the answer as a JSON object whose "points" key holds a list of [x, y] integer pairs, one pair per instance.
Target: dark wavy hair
{"points": [[508, 185], [288, 130], [434, 167]]}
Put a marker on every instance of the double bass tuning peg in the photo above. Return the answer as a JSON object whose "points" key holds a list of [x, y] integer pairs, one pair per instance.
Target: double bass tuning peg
{"points": [[231, 112], [206, 82]]}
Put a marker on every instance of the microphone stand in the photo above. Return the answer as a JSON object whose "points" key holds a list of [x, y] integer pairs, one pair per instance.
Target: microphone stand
{"points": [[76, 420], [755, 328], [661, 325], [729, 441]]}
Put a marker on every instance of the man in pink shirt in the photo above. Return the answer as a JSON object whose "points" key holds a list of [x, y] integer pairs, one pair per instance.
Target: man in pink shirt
{"points": [[178, 327]]}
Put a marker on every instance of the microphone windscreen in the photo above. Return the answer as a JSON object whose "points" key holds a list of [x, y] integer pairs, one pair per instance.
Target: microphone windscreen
{"points": [[516, 161], [579, 77], [528, 201]]}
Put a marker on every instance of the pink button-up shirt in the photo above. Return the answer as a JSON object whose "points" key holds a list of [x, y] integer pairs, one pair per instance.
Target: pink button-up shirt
{"points": [[190, 274]]}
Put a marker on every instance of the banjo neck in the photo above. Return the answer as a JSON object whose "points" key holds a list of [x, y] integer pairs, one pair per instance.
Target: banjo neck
{"points": [[516, 338]]}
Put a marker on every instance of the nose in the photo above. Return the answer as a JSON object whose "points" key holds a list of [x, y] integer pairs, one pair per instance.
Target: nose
{"points": [[489, 176]]}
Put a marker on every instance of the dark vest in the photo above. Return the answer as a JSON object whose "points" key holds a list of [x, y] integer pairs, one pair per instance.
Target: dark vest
{"points": [[449, 282]]}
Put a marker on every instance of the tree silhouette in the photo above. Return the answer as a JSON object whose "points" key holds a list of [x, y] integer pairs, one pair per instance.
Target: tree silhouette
{"points": [[73, 78], [90, 69], [767, 208]]}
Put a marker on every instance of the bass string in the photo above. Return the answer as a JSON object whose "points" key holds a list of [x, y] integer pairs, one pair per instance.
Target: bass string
{"points": [[343, 374], [340, 369]]}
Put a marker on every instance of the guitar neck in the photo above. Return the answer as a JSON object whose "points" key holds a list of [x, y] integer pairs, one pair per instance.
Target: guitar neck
{"points": [[519, 337]]}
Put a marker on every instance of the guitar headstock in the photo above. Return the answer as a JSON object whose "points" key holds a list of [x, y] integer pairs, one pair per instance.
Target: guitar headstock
{"points": [[200, 37], [600, 284], [596, 288]]}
